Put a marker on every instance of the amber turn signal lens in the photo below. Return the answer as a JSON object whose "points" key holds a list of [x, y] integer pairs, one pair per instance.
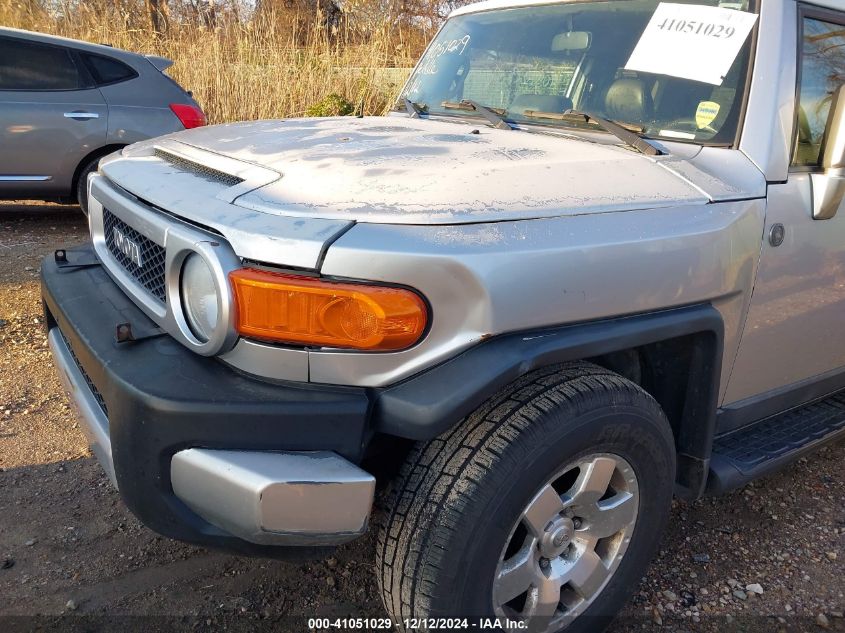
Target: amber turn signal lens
{"points": [[310, 311]]}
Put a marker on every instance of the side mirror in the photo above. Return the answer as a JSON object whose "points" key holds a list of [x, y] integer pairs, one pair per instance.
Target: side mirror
{"points": [[829, 186]]}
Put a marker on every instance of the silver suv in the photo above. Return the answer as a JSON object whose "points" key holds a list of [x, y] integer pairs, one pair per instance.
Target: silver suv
{"points": [[594, 259], [65, 104]]}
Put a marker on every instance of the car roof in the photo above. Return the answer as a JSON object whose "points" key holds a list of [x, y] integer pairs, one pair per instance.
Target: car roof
{"points": [[43, 38]]}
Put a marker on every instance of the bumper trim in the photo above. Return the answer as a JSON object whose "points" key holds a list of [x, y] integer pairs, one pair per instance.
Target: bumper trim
{"points": [[276, 498], [95, 425]]}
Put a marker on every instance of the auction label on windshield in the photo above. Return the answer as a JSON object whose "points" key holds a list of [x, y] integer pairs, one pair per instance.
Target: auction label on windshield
{"points": [[691, 41]]}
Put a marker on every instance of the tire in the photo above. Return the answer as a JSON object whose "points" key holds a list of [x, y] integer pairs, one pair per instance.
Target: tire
{"points": [[456, 509], [82, 183]]}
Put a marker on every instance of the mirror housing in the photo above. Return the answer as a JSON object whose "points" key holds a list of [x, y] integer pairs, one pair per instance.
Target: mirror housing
{"points": [[572, 41], [828, 188]]}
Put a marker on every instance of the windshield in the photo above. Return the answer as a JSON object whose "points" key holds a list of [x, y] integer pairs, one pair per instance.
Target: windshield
{"points": [[671, 70]]}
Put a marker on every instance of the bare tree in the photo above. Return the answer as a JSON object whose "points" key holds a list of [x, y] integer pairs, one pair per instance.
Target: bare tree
{"points": [[159, 15], [303, 13]]}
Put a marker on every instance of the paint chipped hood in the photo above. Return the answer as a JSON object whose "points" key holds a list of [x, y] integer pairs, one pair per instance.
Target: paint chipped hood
{"points": [[413, 171]]}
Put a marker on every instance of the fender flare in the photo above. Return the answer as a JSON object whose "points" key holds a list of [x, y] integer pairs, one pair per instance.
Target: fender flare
{"points": [[430, 403]]}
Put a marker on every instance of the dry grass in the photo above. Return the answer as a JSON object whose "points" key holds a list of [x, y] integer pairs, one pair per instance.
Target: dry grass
{"points": [[269, 67]]}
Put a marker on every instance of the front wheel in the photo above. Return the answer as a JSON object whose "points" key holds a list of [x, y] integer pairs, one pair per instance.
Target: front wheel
{"points": [[543, 507]]}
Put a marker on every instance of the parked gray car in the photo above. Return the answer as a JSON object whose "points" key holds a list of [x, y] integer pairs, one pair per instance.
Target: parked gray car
{"points": [[64, 104]]}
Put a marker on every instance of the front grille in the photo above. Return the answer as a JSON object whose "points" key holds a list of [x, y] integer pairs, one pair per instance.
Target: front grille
{"points": [[151, 272], [198, 169], [94, 391]]}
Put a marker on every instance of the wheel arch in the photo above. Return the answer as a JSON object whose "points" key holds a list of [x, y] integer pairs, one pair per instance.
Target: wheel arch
{"points": [[105, 150], [675, 355]]}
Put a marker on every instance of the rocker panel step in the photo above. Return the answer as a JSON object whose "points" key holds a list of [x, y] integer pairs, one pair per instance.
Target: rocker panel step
{"points": [[765, 446]]}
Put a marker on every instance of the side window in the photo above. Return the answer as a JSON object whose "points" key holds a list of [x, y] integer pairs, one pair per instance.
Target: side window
{"points": [[822, 72], [29, 66], [107, 70]]}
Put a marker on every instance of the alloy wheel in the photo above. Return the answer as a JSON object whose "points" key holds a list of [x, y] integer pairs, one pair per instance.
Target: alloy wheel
{"points": [[567, 543]]}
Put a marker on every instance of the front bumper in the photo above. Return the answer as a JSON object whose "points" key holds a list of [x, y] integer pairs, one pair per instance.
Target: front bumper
{"points": [[198, 451]]}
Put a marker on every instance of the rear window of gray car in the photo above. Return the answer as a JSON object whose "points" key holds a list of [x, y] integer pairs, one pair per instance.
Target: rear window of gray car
{"points": [[108, 71], [28, 66]]}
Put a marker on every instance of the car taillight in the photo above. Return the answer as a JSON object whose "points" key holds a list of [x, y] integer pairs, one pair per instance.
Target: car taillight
{"points": [[310, 311], [190, 115]]}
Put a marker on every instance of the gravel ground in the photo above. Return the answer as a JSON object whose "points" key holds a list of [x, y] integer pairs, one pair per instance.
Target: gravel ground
{"points": [[765, 558]]}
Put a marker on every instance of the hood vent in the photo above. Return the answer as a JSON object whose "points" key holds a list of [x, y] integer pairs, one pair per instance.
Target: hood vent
{"points": [[203, 171]]}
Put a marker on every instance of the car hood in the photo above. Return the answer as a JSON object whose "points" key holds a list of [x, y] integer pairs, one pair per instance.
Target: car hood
{"points": [[424, 171]]}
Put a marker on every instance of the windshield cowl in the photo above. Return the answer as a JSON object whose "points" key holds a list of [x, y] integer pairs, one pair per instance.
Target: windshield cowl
{"points": [[625, 132]]}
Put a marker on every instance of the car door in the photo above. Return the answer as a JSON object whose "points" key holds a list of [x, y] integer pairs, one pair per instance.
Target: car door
{"points": [[51, 117], [793, 339]]}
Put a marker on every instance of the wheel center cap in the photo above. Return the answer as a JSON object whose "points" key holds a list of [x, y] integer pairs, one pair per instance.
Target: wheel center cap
{"points": [[562, 536], [557, 537]]}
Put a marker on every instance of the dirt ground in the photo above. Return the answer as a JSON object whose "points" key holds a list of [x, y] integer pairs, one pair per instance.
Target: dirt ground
{"points": [[73, 558]]}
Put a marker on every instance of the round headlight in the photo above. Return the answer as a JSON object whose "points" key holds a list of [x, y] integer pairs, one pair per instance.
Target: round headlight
{"points": [[199, 297]]}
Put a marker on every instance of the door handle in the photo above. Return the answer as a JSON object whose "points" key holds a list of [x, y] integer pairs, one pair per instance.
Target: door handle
{"points": [[81, 116]]}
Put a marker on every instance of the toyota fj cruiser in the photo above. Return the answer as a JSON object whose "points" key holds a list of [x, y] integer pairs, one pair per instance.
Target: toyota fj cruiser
{"points": [[594, 257]]}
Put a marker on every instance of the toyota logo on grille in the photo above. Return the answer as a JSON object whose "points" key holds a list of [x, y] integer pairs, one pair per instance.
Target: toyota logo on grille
{"points": [[128, 247]]}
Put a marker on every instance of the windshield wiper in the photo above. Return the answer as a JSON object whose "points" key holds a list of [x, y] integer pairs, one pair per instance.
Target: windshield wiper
{"points": [[494, 115], [624, 132], [414, 110]]}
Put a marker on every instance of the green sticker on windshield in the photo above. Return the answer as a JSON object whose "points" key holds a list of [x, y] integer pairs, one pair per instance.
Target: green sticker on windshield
{"points": [[706, 113]]}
